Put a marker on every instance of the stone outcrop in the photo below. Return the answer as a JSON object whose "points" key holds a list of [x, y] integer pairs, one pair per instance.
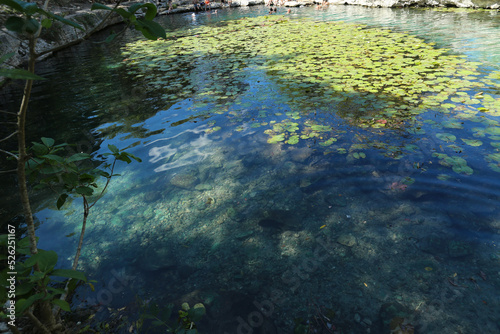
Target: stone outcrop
{"points": [[58, 35], [488, 4]]}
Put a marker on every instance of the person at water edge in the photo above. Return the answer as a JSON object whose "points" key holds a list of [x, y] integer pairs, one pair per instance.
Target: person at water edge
{"points": [[207, 4], [196, 5]]}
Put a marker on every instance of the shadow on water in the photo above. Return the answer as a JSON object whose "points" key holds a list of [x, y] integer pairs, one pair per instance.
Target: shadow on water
{"points": [[264, 234]]}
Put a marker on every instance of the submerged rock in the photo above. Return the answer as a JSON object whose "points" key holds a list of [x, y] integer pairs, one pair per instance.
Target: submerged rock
{"points": [[281, 220], [185, 181], [271, 223], [392, 316], [459, 249], [154, 259], [347, 240]]}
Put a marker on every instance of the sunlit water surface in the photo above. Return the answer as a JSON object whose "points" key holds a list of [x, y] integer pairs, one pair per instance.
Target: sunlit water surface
{"points": [[269, 236]]}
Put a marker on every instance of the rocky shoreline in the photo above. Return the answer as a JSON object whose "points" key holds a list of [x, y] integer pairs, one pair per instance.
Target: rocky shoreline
{"points": [[61, 35]]}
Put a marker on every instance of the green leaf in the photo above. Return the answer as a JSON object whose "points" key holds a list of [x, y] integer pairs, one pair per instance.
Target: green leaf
{"points": [[49, 142], [62, 304], [6, 56], [150, 29], [28, 8], [135, 158], [60, 19], [23, 304], [448, 137], [197, 312], [69, 273], [47, 260], [100, 6], [12, 4], [78, 157], [19, 74], [110, 38], [24, 288], [123, 13], [85, 191], [86, 178], [61, 200], [39, 149], [113, 149], [51, 170], [31, 26], [103, 173], [15, 24], [472, 142], [46, 23], [53, 157], [151, 10], [124, 157], [56, 291], [276, 138]]}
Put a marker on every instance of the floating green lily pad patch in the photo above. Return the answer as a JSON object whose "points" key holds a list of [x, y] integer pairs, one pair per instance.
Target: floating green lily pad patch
{"points": [[472, 142], [448, 137], [327, 78]]}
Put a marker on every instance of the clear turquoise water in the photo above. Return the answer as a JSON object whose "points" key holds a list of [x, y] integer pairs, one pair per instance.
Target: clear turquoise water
{"points": [[264, 234]]}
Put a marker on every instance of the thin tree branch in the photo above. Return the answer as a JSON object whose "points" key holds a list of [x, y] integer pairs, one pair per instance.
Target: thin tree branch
{"points": [[118, 34], [86, 209], [38, 323], [7, 171], [9, 112], [23, 156], [105, 186], [9, 153], [99, 26], [12, 134]]}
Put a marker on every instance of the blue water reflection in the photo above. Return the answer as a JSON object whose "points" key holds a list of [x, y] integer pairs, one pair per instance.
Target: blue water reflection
{"points": [[273, 236]]}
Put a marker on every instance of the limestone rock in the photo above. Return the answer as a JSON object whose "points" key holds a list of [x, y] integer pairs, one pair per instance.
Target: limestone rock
{"points": [[185, 181], [347, 240], [422, 3], [154, 259]]}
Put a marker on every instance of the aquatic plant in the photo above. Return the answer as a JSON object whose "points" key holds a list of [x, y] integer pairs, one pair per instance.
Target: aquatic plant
{"points": [[377, 80], [160, 317]]}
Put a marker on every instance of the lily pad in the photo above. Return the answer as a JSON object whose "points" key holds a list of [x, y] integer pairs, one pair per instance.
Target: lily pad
{"points": [[276, 139], [472, 142], [447, 137], [293, 140]]}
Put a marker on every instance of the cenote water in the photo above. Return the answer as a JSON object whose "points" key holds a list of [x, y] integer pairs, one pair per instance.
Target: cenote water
{"points": [[335, 171]]}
